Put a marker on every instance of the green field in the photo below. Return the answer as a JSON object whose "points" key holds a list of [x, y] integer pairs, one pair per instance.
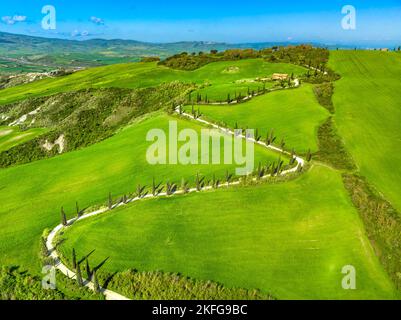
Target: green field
{"points": [[137, 75], [368, 114], [294, 115], [289, 239], [12, 136], [220, 92], [33, 194]]}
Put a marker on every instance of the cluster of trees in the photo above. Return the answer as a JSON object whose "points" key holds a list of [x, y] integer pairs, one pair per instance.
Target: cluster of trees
{"points": [[150, 59], [324, 93], [185, 61], [304, 55], [90, 273], [193, 61]]}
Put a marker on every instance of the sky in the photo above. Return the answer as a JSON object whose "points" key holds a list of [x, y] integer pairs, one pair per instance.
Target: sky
{"points": [[377, 22]]}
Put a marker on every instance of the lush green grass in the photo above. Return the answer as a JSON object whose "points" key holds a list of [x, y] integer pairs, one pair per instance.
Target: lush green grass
{"points": [[367, 101], [12, 136], [32, 194], [134, 75], [290, 239], [294, 115], [220, 92]]}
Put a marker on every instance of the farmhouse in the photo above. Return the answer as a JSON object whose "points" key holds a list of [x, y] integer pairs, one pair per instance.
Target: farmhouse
{"points": [[279, 76]]}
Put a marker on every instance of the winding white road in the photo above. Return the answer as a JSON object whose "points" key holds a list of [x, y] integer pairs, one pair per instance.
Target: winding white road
{"points": [[111, 295]]}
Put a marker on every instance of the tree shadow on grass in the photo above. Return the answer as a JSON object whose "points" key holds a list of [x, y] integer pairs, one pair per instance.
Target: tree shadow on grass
{"points": [[101, 264], [85, 257]]}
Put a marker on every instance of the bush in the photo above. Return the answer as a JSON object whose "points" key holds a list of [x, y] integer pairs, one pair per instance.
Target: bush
{"points": [[382, 223], [171, 286]]}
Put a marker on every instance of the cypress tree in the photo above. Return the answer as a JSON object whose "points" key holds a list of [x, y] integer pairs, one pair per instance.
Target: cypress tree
{"points": [[228, 178], [309, 156], [96, 286], [110, 201], [78, 276], [44, 250], [87, 269], [77, 208], [63, 217], [74, 259], [154, 188]]}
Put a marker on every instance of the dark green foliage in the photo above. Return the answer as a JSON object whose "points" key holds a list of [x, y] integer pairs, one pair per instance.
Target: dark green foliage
{"points": [[229, 176], [382, 223], [199, 182], [308, 156], [88, 269], [78, 275], [95, 281], [150, 59], [43, 248], [184, 61], [261, 171], [140, 191], [171, 188], [17, 285], [79, 212], [270, 138], [74, 259], [169, 286], [282, 144], [63, 217], [185, 186], [292, 159], [304, 55], [215, 182], [156, 188], [110, 202], [324, 93], [332, 149]]}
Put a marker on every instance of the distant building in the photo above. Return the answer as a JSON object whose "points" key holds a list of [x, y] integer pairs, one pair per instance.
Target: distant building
{"points": [[279, 76], [384, 49]]}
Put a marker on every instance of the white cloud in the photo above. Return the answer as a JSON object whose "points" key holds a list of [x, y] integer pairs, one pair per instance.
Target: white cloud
{"points": [[18, 18], [77, 33], [96, 20], [13, 20]]}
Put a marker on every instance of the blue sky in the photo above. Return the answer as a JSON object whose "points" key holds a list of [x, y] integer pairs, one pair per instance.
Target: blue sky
{"points": [[378, 22]]}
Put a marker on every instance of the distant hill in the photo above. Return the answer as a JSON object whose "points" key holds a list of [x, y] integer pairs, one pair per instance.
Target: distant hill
{"points": [[22, 53]]}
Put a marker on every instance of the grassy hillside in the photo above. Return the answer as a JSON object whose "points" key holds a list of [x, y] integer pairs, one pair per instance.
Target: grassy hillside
{"points": [[32, 194], [294, 115], [12, 136], [289, 239], [21, 53], [82, 118], [136, 75], [367, 101]]}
